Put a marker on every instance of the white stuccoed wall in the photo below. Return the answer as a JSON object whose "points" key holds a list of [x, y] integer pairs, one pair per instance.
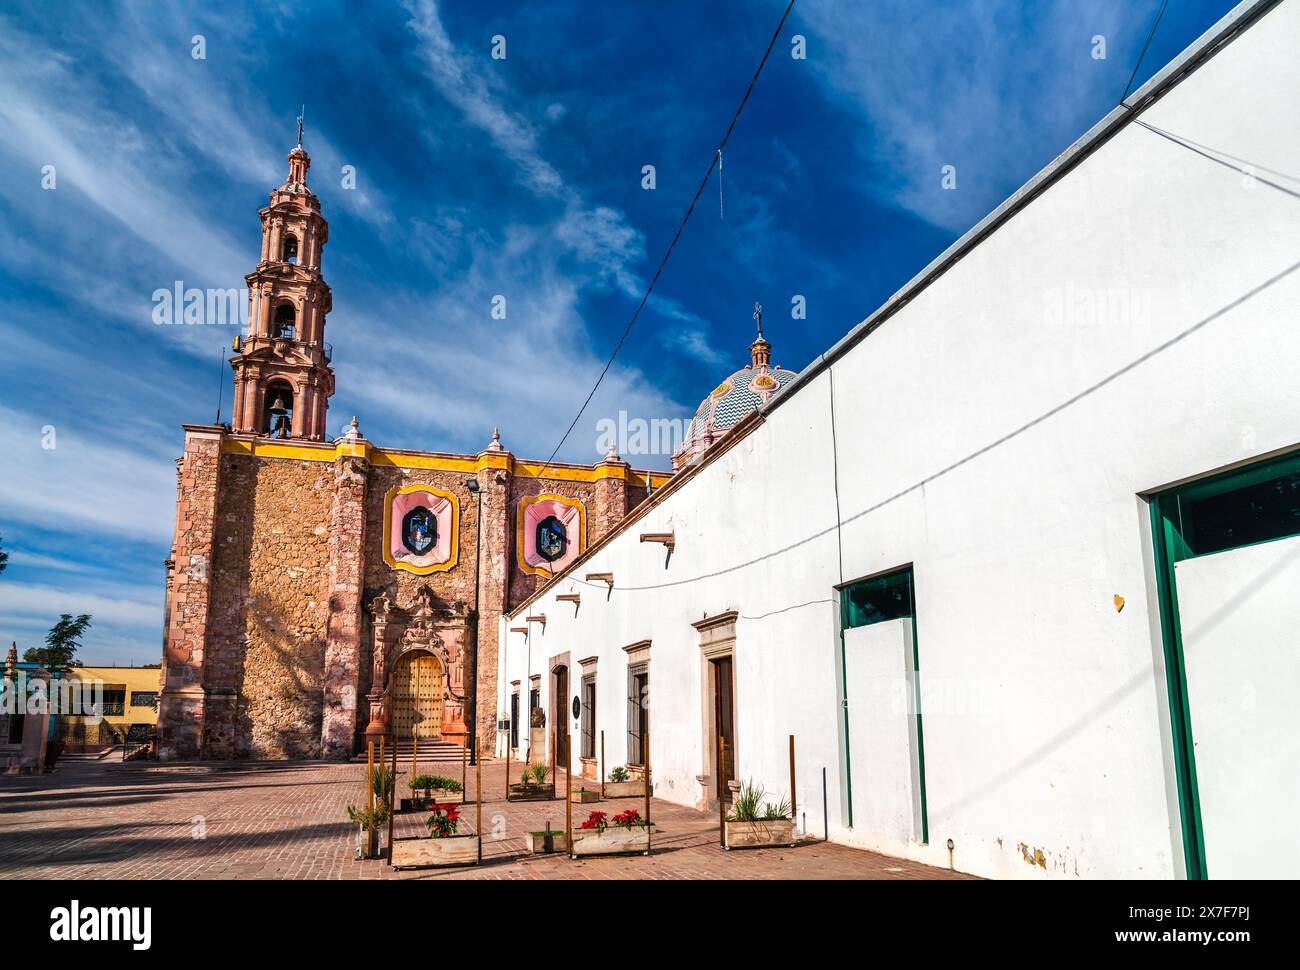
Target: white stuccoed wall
{"points": [[1045, 714]]}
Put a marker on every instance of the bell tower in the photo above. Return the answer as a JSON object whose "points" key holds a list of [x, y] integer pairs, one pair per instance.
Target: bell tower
{"points": [[283, 378]]}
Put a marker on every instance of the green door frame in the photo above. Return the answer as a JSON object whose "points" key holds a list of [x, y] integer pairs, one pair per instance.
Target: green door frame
{"points": [[845, 624], [1171, 546]]}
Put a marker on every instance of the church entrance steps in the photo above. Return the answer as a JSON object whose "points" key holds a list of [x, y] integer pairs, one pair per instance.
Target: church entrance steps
{"points": [[440, 752]]}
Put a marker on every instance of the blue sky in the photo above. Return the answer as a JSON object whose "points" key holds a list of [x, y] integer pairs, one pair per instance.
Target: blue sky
{"points": [[474, 177]]}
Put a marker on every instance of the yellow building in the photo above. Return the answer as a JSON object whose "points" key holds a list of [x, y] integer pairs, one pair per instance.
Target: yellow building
{"points": [[130, 697]]}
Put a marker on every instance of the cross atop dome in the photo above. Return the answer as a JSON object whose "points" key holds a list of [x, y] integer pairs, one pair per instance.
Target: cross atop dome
{"points": [[760, 351]]}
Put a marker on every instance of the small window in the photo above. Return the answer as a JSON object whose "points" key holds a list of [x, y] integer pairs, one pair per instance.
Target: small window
{"points": [[290, 250], [144, 698], [114, 702], [878, 599], [1254, 511]]}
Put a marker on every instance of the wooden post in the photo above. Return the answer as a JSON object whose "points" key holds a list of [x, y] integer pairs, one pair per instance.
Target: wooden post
{"points": [[507, 767], [794, 811], [645, 764], [464, 755], [370, 776], [568, 801], [415, 756], [722, 804], [602, 764], [392, 793], [555, 760], [478, 801]]}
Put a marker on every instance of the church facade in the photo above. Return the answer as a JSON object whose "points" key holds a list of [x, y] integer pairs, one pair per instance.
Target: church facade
{"points": [[319, 589]]}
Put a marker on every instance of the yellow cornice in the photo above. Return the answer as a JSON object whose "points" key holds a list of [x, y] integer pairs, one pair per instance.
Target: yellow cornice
{"points": [[392, 458]]}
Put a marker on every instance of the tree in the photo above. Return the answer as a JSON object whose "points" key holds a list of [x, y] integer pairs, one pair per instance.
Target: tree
{"points": [[4, 558], [61, 643]]}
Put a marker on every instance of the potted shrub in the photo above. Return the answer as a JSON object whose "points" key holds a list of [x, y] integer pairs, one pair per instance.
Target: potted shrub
{"points": [[540, 843], [443, 847], [433, 789], [533, 786], [369, 821], [602, 835], [621, 784], [756, 822]]}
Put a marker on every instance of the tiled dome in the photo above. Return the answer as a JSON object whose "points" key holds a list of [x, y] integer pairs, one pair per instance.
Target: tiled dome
{"points": [[747, 390]]}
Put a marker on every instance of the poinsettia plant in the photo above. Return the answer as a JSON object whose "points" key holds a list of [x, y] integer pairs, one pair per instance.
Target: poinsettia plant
{"points": [[629, 819], [597, 821], [442, 823]]}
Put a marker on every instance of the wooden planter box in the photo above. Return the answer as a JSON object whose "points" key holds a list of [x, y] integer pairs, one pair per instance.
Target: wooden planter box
{"points": [[539, 843], [422, 804], [580, 797], [742, 835], [625, 789], [531, 793], [425, 853], [613, 841]]}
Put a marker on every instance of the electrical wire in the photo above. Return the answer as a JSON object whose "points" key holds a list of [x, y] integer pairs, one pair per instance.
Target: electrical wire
{"points": [[713, 163], [1144, 49]]}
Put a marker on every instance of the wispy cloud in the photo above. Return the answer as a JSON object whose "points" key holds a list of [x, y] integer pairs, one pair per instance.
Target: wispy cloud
{"points": [[978, 87]]}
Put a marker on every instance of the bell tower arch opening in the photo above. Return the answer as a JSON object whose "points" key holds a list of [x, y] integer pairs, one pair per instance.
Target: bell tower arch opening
{"points": [[277, 414], [285, 324]]}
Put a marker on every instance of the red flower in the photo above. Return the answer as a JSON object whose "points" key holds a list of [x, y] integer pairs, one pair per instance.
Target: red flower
{"points": [[596, 820], [628, 819]]}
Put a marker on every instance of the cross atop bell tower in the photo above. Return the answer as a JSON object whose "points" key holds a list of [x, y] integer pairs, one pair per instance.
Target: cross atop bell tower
{"points": [[283, 380]]}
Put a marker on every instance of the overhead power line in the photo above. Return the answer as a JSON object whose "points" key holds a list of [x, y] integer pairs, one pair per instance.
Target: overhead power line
{"points": [[1154, 26], [713, 163]]}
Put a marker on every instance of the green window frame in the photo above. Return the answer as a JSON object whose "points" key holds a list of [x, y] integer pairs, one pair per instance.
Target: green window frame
{"points": [[878, 599], [1179, 532]]}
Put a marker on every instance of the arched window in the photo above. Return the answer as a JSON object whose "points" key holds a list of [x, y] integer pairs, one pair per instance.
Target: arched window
{"points": [[289, 252], [277, 413], [285, 318]]}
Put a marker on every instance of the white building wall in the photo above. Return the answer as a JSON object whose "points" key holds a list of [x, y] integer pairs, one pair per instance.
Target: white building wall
{"points": [[1002, 448]]}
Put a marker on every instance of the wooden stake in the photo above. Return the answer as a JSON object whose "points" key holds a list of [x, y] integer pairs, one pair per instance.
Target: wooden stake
{"points": [[602, 764], [568, 801], [478, 802], [392, 793], [794, 812], [722, 805], [415, 755], [464, 755], [645, 763], [370, 790], [507, 768]]}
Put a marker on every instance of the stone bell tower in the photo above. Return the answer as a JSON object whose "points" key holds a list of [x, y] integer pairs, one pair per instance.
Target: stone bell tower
{"points": [[283, 380]]}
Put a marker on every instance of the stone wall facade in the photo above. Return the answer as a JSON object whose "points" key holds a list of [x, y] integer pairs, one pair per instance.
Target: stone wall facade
{"points": [[279, 559]]}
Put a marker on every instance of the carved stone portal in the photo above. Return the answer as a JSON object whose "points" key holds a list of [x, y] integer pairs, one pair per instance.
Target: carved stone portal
{"points": [[427, 628]]}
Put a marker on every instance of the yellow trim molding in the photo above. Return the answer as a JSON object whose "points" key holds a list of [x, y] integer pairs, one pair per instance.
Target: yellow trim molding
{"points": [[392, 458], [519, 529], [437, 567]]}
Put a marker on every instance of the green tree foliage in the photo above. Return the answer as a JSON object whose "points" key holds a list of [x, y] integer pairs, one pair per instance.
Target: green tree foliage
{"points": [[61, 643]]}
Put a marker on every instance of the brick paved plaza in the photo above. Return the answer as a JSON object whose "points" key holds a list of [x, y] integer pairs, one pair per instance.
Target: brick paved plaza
{"points": [[287, 820]]}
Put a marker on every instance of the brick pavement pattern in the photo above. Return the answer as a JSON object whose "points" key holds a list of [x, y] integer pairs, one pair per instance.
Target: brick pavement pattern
{"points": [[287, 820]]}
